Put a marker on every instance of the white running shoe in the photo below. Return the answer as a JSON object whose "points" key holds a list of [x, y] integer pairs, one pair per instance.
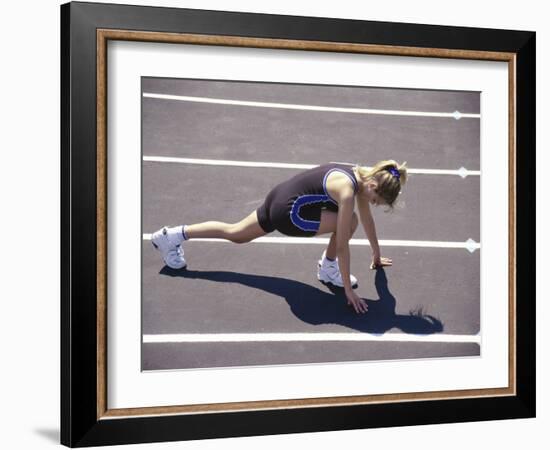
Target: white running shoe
{"points": [[329, 272], [167, 241]]}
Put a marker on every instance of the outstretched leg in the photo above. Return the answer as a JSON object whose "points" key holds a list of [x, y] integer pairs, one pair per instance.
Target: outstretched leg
{"points": [[243, 231], [168, 240]]}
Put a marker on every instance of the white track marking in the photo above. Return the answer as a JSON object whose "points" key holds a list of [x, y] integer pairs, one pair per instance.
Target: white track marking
{"points": [[310, 337], [387, 112], [222, 162], [469, 245]]}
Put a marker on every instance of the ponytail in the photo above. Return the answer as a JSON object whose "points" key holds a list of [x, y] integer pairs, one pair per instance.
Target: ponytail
{"points": [[389, 176]]}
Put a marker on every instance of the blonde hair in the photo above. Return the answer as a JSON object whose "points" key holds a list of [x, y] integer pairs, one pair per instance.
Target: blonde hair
{"points": [[389, 185]]}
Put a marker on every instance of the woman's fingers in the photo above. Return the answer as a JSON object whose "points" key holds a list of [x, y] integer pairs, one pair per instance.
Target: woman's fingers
{"points": [[382, 262], [352, 303], [358, 304]]}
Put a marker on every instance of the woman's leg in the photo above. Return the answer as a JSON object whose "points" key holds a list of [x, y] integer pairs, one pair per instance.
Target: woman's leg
{"points": [[168, 240], [328, 225], [240, 232], [328, 270]]}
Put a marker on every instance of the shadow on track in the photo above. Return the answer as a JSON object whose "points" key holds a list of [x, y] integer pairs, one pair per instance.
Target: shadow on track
{"points": [[316, 307]]}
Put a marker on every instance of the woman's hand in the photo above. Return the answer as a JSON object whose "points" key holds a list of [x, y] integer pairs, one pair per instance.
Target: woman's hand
{"points": [[380, 261], [357, 302]]}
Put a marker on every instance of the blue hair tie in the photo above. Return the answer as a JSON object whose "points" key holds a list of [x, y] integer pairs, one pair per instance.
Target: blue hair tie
{"points": [[394, 172]]}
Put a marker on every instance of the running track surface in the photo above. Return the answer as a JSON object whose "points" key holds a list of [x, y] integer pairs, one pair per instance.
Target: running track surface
{"points": [[241, 305]]}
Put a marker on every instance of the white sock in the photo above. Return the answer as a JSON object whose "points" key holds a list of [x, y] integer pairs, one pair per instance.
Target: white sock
{"points": [[175, 234], [327, 263]]}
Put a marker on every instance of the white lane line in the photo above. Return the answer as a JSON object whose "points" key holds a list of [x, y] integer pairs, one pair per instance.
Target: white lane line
{"points": [[469, 245], [387, 112], [309, 337], [222, 162]]}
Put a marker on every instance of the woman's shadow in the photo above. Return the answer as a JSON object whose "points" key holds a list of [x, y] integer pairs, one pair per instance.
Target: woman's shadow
{"points": [[315, 306]]}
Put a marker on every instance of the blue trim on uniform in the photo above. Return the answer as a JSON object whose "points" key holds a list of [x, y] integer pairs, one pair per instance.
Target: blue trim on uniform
{"points": [[303, 224], [336, 169]]}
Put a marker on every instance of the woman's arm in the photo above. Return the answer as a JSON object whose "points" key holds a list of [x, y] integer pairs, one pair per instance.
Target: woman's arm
{"points": [[370, 230], [368, 225], [343, 234]]}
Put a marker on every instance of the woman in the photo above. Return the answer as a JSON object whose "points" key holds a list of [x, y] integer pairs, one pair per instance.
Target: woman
{"points": [[317, 201]]}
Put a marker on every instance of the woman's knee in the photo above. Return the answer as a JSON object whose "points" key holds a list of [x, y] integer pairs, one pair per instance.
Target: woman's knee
{"points": [[246, 230], [329, 221], [235, 234], [239, 239]]}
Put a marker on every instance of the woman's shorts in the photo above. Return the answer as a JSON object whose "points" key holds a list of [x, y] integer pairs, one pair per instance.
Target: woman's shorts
{"points": [[297, 216]]}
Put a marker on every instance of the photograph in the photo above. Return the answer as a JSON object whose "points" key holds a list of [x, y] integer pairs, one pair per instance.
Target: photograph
{"points": [[287, 223], [281, 224]]}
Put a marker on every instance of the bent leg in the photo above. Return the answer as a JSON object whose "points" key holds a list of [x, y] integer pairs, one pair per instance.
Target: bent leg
{"points": [[328, 223], [240, 232]]}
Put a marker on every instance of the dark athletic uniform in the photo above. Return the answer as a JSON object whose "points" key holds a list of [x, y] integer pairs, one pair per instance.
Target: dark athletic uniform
{"points": [[293, 207]]}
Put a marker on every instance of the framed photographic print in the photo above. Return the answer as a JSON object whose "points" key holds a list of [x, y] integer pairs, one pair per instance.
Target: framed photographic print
{"points": [[278, 224]]}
